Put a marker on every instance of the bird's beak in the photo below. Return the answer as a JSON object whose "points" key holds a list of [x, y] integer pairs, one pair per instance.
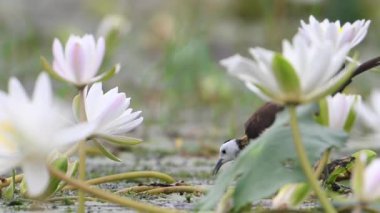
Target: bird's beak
{"points": [[217, 166]]}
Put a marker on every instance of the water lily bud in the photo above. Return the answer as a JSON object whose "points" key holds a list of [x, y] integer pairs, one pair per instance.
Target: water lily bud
{"points": [[338, 111], [365, 181], [290, 195]]}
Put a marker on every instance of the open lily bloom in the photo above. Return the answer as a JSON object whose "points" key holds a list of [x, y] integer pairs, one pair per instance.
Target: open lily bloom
{"points": [[304, 72], [110, 111], [319, 32], [79, 62], [31, 128], [338, 111]]}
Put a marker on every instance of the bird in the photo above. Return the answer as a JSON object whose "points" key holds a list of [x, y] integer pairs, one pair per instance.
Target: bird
{"points": [[265, 116], [259, 121]]}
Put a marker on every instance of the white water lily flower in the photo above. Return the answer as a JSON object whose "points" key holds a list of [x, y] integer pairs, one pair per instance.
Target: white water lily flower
{"points": [[371, 181], [320, 32], [366, 181], [338, 111], [304, 72], [79, 62], [370, 113], [110, 111], [31, 128]]}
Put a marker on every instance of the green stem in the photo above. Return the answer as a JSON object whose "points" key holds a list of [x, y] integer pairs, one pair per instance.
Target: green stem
{"points": [[129, 175], [55, 199], [136, 189], [322, 163], [224, 205], [82, 155], [106, 196], [82, 175], [174, 189], [305, 164], [13, 182]]}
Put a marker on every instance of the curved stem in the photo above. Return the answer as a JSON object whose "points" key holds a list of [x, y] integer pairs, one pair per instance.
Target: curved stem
{"points": [[136, 189], [322, 163], [106, 196], [174, 189], [129, 175], [305, 164], [55, 199]]}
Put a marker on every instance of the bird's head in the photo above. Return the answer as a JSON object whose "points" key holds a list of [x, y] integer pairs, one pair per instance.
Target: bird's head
{"points": [[228, 152]]}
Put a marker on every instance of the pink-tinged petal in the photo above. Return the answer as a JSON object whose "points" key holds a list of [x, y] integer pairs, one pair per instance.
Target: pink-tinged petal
{"points": [[16, 90], [42, 94], [77, 61], [371, 180], [59, 63], [36, 175], [100, 49], [128, 127], [113, 109], [124, 119], [93, 101]]}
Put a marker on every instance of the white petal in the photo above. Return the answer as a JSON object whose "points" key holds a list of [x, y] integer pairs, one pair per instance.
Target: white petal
{"points": [[8, 162], [74, 134], [128, 127], [36, 175], [371, 180], [42, 90], [17, 91]]}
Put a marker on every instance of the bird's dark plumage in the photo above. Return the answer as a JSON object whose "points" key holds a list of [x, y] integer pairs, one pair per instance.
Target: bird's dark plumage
{"points": [[261, 119]]}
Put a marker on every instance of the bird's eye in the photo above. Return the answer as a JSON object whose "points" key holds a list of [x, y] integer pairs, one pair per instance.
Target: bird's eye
{"points": [[223, 151]]}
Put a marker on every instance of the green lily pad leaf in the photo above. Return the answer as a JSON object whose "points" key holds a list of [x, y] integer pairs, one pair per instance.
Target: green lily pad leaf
{"points": [[270, 161], [119, 139], [105, 152], [107, 75], [286, 76]]}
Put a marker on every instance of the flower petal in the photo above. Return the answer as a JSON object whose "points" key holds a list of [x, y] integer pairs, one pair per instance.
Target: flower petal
{"points": [[36, 175]]}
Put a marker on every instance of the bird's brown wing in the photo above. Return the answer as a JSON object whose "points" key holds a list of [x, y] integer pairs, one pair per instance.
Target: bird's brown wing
{"points": [[261, 119]]}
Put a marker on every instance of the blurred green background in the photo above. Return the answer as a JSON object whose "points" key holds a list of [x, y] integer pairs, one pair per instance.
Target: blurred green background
{"points": [[169, 51]]}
